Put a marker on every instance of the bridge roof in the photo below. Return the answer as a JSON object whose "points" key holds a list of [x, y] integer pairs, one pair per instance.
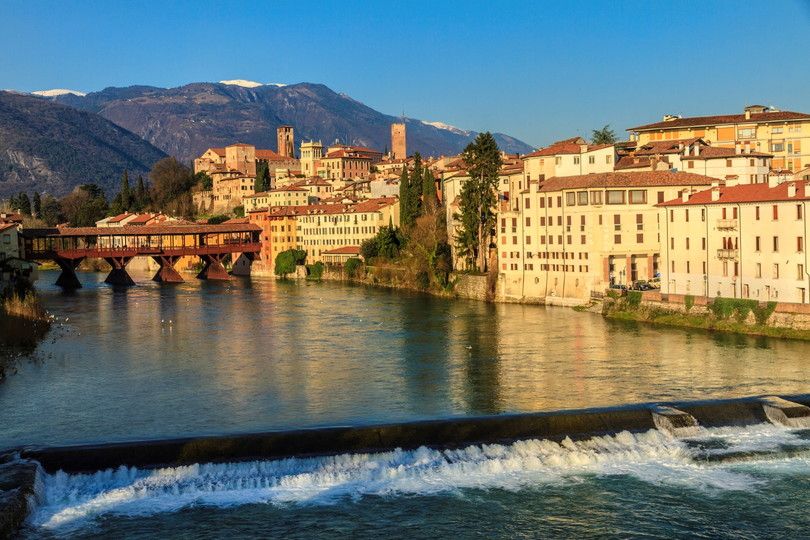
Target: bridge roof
{"points": [[151, 230]]}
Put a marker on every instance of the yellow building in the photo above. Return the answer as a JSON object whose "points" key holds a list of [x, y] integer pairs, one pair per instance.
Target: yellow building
{"points": [[745, 241], [784, 134], [565, 238]]}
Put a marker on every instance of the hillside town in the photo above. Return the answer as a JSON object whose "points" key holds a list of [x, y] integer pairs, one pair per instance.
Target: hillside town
{"points": [[705, 206]]}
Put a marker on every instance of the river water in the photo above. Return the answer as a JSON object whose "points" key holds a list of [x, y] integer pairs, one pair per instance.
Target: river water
{"points": [[209, 358]]}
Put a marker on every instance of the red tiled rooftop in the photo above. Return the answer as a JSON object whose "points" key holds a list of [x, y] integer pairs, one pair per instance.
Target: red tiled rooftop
{"points": [[626, 179], [746, 193], [345, 250], [707, 121]]}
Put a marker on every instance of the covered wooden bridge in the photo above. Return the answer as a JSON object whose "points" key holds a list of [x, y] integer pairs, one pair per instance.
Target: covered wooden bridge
{"points": [[166, 244]]}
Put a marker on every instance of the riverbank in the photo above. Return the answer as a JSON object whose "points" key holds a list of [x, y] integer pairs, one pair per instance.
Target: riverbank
{"points": [[729, 315], [24, 324]]}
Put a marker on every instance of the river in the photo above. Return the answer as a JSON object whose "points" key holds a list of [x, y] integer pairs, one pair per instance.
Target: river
{"points": [[198, 358]]}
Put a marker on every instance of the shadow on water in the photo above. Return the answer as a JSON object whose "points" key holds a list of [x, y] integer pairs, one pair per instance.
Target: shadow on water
{"points": [[482, 362], [19, 338]]}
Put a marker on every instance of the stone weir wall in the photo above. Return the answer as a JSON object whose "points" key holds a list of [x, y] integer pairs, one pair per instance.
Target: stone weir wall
{"points": [[21, 469], [444, 433]]}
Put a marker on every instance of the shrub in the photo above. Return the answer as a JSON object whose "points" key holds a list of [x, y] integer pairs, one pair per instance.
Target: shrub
{"points": [[216, 220], [721, 308], [239, 211], [369, 249], [285, 263], [689, 302], [352, 266], [613, 293], [633, 299], [724, 308], [762, 312], [315, 271]]}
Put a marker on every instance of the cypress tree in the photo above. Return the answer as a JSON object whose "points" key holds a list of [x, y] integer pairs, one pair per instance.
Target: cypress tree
{"points": [[428, 189], [404, 198], [37, 204], [262, 182], [126, 194], [25, 204], [416, 187], [141, 194]]}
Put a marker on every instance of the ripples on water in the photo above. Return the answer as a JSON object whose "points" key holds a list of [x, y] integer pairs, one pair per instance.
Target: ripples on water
{"points": [[202, 358]]}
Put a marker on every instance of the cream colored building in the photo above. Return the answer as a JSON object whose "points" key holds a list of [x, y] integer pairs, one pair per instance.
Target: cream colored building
{"points": [[784, 134], [566, 238], [744, 241], [740, 164], [311, 154], [568, 158], [286, 196]]}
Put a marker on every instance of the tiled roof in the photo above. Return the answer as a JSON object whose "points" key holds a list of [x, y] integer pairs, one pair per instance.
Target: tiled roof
{"points": [[706, 121], [626, 179], [717, 152], [5, 226], [368, 205], [153, 229], [746, 193], [633, 162], [666, 147]]}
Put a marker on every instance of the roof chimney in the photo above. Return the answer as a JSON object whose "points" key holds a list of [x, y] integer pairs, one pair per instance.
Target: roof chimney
{"points": [[773, 180], [715, 194], [747, 114], [697, 149], [685, 195], [791, 192]]}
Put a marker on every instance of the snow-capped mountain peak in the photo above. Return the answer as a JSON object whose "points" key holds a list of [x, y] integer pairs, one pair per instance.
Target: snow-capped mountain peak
{"points": [[242, 82], [57, 92], [448, 127]]}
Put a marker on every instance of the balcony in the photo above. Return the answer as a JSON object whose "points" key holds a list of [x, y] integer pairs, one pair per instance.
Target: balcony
{"points": [[727, 224], [725, 254]]}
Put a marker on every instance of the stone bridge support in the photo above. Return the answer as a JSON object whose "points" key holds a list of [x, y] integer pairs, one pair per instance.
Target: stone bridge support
{"points": [[213, 268], [243, 263], [67, 279], [167, 273], [118, 275]]}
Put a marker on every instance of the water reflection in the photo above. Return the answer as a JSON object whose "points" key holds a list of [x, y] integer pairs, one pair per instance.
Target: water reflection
{"points": [[207, 357]]}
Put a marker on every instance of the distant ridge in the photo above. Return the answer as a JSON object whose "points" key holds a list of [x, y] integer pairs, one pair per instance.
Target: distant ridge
{"points": [[186, 120], [51, 148]]}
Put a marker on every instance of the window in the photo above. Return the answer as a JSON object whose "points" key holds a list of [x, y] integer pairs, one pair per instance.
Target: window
{"points": [[775, 244], [776, 130], [639, 238], [775, 212], [758, 270], [756, 243], [776, 271], [799, 211], [557, 160], [660, 197], [639, 222], [617, 222], [746, 133], [686, 215], [528, 221], [615, 196], [800, 244], [638, 196], [728, 163], [617, 239], [576, 160], [690, 164], [596, 197], [528, 203], [687, 242], [702, 214], [582, 198], [591, 159], [570, 198], [800, 273], [528, 240]]}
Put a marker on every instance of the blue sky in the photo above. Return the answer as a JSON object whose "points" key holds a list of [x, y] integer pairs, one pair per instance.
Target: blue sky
{"points": [[539, 71]]}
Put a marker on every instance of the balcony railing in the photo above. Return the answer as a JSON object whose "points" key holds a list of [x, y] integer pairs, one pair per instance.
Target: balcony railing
{"points": [[728, 254], [727, 224]]}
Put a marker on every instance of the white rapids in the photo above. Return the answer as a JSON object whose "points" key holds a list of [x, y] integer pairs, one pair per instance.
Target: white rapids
{"points": [[68, 500]]}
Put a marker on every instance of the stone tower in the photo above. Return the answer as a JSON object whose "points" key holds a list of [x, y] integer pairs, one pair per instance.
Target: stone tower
{"points": [[399, 149], [285, 138]]}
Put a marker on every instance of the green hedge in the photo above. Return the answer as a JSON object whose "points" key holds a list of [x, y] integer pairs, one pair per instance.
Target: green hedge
{"points": [[315, 271]]}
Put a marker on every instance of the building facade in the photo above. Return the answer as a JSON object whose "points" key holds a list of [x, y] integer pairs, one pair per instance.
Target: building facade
{"points": [[784, 134], [744, 241]]}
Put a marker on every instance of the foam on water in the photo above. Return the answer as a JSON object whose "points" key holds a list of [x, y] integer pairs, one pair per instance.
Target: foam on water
{"points": [[68, 500]]}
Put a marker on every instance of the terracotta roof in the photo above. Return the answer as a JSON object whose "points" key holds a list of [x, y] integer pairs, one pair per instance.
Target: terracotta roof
{"points": [[150, 230], [706, 121], [119, 217], [270, 155], [236, 220], [666, 147], [345, 250], [717, 152], [12, 217], [368, 205], [746, 193], [5, 226], [633, 162], [218, 151], [626, 179]]}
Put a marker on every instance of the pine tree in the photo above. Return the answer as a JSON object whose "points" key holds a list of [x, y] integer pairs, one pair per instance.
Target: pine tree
{"points": [[478, 198], [37, 204], [25, 204], [404, 199]]}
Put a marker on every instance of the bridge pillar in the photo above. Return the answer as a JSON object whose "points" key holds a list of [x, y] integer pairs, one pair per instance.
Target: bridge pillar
{"points": [[243, 263], [167, 272], [212, 268], [118, 275], [67, 279]]}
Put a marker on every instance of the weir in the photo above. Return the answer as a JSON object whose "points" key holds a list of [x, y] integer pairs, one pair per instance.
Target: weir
{"points": [[786, 413], [674, 421]]}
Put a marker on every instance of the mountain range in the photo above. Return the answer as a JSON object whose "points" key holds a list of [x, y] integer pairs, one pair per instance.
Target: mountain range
{"points": [[186, 120], [56, 139], [51, 148]]}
